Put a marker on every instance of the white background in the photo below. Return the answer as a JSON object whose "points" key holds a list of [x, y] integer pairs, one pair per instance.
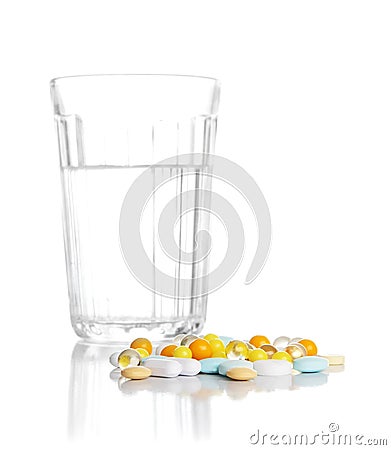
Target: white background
{"points": [[306, 109]]}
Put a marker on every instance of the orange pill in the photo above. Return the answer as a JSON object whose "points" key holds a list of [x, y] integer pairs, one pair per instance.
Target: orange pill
{"points": [[169, 350], [258, 340], [310, 346], [142, 343], [201, 349]]}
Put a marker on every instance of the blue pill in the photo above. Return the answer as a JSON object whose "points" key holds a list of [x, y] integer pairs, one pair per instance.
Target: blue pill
{"points": [[231, 363], [310, 364], [211, 365]]}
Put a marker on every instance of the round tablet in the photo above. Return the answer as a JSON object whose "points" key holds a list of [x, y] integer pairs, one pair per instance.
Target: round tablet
{"points": [[273, 367], [310, 364]]}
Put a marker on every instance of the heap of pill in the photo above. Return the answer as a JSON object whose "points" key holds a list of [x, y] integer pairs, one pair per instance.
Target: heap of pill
{"points": [[189, 355]]}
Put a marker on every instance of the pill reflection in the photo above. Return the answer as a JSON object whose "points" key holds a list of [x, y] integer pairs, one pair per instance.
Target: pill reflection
{"points": [[310, 379], [335, 369], [98, 396], [272, 383]]}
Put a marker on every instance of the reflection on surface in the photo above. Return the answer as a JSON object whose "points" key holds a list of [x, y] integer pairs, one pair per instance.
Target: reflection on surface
{"points": [[99, 398]]}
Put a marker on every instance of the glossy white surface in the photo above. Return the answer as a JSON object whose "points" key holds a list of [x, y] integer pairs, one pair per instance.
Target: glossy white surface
{"points": [[211, 407], [305, 109]]}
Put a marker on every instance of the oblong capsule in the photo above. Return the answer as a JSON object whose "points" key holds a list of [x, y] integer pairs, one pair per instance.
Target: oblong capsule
{"points": [[190, 366], [241, 373], [136, 372], [167, 368], [334, 360]]}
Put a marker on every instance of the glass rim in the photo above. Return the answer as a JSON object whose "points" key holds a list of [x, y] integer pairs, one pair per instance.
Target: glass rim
{"points": [[54, 81]]}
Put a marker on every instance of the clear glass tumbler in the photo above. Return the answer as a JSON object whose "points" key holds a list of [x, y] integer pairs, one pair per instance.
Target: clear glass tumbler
{"points": [[110, 129]]}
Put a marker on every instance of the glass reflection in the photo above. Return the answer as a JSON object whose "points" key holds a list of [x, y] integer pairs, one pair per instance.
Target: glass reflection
{"points": [[100, 400]]}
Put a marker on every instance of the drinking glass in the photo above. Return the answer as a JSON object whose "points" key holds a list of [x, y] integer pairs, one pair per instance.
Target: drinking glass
{"points": [[110, 130]]}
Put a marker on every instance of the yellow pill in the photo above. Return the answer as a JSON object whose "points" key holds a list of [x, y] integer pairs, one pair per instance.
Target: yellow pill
{"points": [[183, 352], [136, 373], [236, 350], [257, 354], [217, 345], [282, 355], [241, 373], [142, 352], [209, 337], [219, 355]]}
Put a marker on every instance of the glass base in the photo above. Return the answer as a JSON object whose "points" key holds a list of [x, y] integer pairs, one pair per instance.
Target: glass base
{"points": [[125, 332]]}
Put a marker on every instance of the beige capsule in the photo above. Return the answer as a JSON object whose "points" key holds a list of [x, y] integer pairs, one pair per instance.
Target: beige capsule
{"points": [[241, 373], [269, 349], [296, 350], [136, 372], [335, 360]]}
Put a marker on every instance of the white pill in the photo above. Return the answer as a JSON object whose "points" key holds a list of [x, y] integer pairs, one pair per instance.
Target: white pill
{"points": [[273, 367], [114, 359], [167, 368], [190, 366]]}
